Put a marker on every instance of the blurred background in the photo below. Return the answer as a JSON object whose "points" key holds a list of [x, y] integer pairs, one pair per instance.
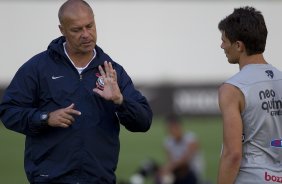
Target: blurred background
{"points": [[171, 50]]}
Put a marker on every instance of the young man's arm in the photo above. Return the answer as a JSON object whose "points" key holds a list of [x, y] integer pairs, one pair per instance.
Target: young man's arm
{"points": [[231, 102]]}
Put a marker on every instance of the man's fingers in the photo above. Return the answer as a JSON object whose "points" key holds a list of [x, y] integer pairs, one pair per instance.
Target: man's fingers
{"points": [[70, 110], [111, 71], [98, 91], [63, 125], [63, 117], [65, 121], [101, 71], [73, 112], [68, 119], [71, 106], [108, 71], [114, 75], [107, 68]]}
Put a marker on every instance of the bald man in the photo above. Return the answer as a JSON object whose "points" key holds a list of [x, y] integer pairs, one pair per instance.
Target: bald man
{"points": [[69, 102]]}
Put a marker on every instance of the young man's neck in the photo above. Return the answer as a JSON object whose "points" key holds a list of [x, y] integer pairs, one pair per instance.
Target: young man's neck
{"points": [[252, 59]]}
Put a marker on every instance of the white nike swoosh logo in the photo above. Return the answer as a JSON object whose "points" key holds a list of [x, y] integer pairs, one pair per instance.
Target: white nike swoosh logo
{"points": [[56, 77]]}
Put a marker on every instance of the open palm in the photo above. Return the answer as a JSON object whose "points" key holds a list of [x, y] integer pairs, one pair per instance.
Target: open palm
{"points": [[110, 90]]}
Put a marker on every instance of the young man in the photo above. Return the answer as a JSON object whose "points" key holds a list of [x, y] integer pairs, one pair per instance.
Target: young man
{"points": [[251, 104], [69, 101]]}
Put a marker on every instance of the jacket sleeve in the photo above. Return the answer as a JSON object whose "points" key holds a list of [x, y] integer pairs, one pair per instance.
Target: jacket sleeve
{"points": [[135, 112], [19, 107]]}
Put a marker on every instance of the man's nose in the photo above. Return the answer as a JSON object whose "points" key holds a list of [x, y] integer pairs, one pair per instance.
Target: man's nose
{"points": [[85, 32], [221, 45]]}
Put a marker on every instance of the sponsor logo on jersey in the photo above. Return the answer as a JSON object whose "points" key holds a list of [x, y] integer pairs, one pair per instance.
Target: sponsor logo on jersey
{"points": [[270, 103], [272, 178], [276, 143], [269, 73]]}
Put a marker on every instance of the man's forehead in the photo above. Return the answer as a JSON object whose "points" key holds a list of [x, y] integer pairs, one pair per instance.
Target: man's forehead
{"points": [[73, 9]]}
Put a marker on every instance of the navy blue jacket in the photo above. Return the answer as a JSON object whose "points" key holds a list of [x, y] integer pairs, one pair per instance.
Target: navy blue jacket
{"points": [[87, 151]]}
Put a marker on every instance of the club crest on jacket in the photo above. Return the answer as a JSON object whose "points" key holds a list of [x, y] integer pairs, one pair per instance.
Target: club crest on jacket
{"points": [[100, 82]]}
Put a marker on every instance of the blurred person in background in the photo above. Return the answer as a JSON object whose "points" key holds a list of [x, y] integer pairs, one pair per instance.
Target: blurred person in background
{"points": [[185, 162], [69, 101], [250, 103]]}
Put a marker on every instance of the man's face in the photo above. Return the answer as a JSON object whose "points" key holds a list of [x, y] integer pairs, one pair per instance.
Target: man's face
{"points": [[80, 31], [230, 49], [174, 129]]}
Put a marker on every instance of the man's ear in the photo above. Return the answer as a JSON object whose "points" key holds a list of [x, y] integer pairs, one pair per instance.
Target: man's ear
{"points": [[62, 30], [240, 46]]}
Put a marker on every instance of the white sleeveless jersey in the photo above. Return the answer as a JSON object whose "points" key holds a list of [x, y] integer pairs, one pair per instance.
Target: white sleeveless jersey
{"points": [[261, 85]]}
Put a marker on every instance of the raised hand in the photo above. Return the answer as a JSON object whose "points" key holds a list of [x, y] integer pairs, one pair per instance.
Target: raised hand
{"points": [[110, 89]]}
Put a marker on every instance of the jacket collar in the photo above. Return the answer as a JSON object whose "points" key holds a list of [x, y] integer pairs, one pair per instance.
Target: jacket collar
{"points": [[56, 50]]}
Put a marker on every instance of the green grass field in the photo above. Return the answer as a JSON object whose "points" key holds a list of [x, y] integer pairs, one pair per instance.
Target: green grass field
{"points": [[135, 147]]}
